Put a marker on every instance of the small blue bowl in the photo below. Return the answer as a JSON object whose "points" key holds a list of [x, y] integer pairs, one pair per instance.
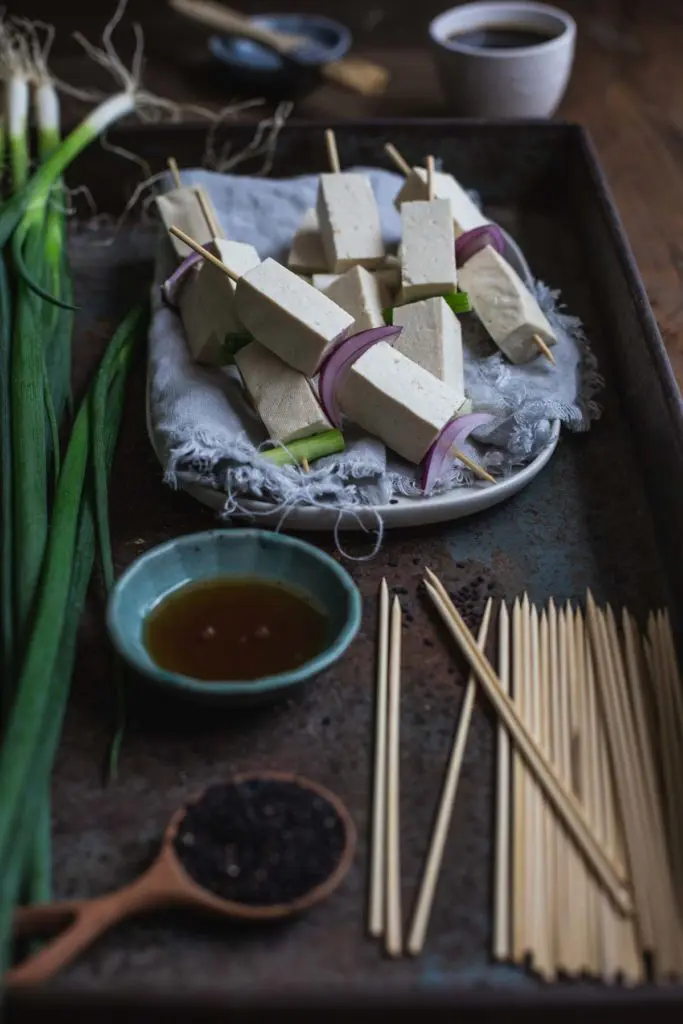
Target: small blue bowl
{"points": [[251, 554], [258, 64]]}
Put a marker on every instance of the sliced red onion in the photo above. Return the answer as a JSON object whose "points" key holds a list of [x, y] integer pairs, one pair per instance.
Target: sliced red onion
{"points": [[470, 242], [453, 434], [340, 360], [170, 289]]}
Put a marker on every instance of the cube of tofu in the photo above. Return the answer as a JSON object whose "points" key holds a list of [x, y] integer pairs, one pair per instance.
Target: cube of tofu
{"points": [[432, 337], [181, 207], [323, 281], [393, 398], [359, 293], [307, 255], [388, 280], [207, 301], [349, 222], [466, 214], [289, 316], [505, 306], [283, 397], [427, 250]]}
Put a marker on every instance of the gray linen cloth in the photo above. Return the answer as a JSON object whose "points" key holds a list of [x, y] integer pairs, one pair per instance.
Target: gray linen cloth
{"points": [[206, 433]]}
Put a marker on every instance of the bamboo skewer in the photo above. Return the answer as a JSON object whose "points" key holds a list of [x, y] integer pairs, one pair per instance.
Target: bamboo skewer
{"points": [[608, 683], [562, 800], [430, 178], [529, 862], [540, 951], [519, 909], [394, 930], [437, 844], [332, 151], [566, 851], [474, 466], [587, 780], [175, 173], [501, 917], [539, 342], [211, 222], [667, 932], [399, 162], [376, 916], [203, 252], [547, 841]]}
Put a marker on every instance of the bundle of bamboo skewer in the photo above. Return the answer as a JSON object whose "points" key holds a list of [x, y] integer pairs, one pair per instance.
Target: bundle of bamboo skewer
{"points": [[589, 844]]}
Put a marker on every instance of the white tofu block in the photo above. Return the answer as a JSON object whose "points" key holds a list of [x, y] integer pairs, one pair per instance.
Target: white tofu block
{"points": [[427, 250], [307, 255], [207, 301], [283, 397], [289, 316], [181, 207], [349, 222], [359, 293], [432, 337], [466, 213], [323, 281], [393, 398], [388, 282], [505, 306]]}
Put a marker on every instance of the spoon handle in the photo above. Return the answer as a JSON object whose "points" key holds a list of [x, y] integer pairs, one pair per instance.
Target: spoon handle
{"points": [[85, 920]]}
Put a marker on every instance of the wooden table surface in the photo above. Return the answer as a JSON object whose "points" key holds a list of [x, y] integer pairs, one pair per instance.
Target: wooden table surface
{"points": [[627, 89]]}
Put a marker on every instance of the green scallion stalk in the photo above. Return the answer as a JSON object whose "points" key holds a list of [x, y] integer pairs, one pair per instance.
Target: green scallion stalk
{"points": [[96, 122], [309, 448], [20, 761], [131, 327], [10, 878], [6, 526]]}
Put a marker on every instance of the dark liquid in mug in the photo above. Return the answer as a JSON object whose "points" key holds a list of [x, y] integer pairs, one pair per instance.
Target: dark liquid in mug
{"points": [[499, 37]]}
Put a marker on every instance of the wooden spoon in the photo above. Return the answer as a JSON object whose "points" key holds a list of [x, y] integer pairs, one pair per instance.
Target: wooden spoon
{"points": [[164, 884]]}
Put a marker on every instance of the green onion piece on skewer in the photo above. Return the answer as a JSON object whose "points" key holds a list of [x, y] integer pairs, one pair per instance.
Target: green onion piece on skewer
{"points": [[310, 448]]}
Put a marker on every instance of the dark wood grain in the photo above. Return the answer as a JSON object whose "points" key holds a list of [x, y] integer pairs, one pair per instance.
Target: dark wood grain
{"points": [[627, 89]]}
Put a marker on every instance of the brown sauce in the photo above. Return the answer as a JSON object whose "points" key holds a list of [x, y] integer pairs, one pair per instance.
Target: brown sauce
{"points": [[230, 629], [499, 37]]}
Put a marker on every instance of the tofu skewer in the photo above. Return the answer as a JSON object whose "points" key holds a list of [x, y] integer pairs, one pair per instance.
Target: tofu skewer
{"points": [[506, 307], [467, 216], [290, 317], [190, 207], [348, 215], [428, 247]]}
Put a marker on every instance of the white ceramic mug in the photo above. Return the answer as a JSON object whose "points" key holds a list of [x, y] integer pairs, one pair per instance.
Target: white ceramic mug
{"points": [[522, 81]]}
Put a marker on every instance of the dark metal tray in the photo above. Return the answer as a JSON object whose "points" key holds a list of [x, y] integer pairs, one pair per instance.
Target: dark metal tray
{"points": [[605, 514]]}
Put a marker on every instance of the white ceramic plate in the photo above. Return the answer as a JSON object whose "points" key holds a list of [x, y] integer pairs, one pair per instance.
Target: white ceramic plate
{"points": [[464, 501]]}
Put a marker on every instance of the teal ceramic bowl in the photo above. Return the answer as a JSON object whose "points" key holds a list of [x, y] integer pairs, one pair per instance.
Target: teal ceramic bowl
{"points": [[253, 554]]}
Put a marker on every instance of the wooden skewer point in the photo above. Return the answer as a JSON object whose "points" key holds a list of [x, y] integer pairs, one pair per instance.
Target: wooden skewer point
{"points": [[209, 256], [173, 168], [394, 927], [376, 915], [474, 466], [563, 801], [305, 465], [332, 151], [538, 340], [399, 161]]}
